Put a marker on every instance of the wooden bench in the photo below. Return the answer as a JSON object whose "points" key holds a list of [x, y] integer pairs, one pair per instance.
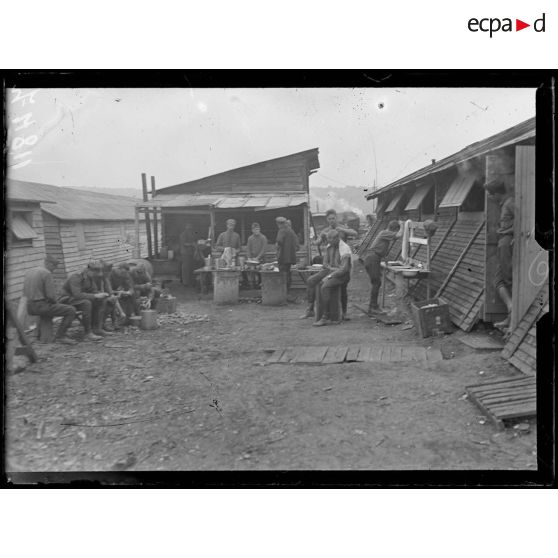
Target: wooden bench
{"points": [[45, 329]]}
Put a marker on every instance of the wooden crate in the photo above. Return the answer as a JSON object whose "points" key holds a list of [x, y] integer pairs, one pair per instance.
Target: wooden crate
{"points": [[431, 317]]}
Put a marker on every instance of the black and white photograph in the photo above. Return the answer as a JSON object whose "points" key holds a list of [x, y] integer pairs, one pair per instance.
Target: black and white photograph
{"points": [[210, 279]]}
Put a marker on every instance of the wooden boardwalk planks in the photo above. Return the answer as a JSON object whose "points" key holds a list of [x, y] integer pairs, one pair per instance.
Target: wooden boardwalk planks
{"points": [[335, 355], [482, 342], [310, 355], [505, 399], [353, 353]]}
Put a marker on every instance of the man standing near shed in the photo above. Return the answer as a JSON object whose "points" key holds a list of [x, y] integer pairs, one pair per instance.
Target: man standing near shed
{"points": [[373, 261], [497, 191], [287, 244], [38, 288], [187, 249]]}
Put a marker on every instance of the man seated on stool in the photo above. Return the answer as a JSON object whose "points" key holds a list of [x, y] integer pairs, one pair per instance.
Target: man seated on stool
{"points": [[143, 285], [336, 273], [81, 291], [38, 288], [123, 288]]}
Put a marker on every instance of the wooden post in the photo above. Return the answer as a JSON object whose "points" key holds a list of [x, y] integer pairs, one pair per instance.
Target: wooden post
{"points": [[147, 218], [155, 224], [212, 226], [306, 221], [243, 229], [136, 250]]}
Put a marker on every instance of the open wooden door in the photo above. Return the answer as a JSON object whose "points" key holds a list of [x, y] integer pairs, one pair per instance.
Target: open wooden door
{"points": [[494, 309], [530, 261]]}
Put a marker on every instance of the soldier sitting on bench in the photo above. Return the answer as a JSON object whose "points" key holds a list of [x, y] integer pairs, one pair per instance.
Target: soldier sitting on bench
{"points": [[38, 288], [81, 291], [336, 273]]}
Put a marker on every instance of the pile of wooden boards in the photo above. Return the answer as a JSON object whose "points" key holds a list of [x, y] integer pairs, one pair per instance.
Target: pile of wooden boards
{"points": [[504, 400]]}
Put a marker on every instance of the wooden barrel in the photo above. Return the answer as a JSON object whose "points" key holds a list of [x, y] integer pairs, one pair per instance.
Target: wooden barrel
{"points": [[225, 286], [274, 288]]}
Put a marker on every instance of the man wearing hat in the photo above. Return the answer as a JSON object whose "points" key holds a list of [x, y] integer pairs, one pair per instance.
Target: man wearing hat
{"points": [[123, 288], [229, 238], [497, 191], [287, 245], [82, 292], [38, 288]]}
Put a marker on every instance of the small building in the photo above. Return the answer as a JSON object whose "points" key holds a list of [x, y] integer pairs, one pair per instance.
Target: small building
{"points": [[463, 249], [25, 240], [73, 225], [255, 193]]}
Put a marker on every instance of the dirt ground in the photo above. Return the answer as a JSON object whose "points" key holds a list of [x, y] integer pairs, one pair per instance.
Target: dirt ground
{"points": [[195, 394]]}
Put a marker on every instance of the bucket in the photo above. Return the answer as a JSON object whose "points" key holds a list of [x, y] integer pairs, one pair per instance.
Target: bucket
{"points": [[171, 254], [225, 287], [166, 305], [149, 319], [274, 288]]}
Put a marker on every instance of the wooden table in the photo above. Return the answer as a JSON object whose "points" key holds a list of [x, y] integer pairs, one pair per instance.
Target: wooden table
{"points": [[395, 275]]}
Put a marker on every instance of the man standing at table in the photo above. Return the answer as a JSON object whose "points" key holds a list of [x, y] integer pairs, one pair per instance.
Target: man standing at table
{"points": [[229, 239], [373, 261], [255, 250], [287, 244]]}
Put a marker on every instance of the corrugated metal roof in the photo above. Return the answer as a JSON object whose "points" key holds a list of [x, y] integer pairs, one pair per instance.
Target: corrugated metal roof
{"points": [[70, 204], [416, 199], [458, 191], [393, 203], [21, 228], [523, 131], [227, 201]]}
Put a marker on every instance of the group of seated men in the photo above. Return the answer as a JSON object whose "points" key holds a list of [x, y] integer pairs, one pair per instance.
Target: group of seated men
{"points": [[100, 292]]}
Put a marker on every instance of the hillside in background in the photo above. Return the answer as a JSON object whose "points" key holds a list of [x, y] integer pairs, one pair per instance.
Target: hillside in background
{"points": [[344, 198]]}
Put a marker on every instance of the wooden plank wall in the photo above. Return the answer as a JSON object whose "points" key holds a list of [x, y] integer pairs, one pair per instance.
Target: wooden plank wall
{"points": [[108, 240], [466, 287], [464, 291], [378, 226], [521, 348], [20, 259], [269, 176], [53, 246]]}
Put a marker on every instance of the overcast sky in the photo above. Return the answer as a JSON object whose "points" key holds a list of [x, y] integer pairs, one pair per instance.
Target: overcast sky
{"points": [[108, 137]]}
